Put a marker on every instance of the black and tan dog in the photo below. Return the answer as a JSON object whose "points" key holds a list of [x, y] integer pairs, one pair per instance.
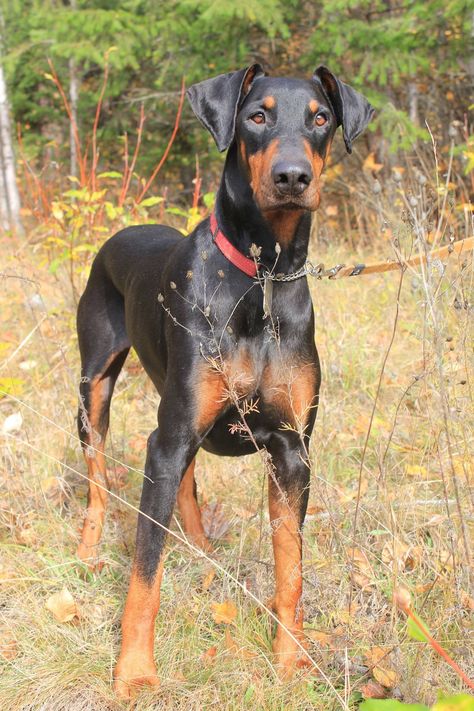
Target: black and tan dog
{"points": [[193, 309]]}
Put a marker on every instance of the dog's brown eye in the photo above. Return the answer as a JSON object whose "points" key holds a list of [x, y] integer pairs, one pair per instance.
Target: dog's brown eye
{"points": [[259, 117], [320, 120]]}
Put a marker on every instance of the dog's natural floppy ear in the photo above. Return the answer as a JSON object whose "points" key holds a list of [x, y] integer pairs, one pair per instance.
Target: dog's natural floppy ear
{"points": [[353, 111], [216, 101]]}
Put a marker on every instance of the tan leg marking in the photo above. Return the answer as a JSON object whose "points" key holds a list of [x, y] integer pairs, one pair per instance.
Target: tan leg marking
{"points": [[287, 549], [190, 511], [136, 666], [97, 473], [219, 385], [211, 396], [291, 388]]}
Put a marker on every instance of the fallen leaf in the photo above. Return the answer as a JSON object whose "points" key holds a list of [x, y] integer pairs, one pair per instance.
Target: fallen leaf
{"points": [[62, 605], [12, 423], [8, 645], [373, 690], [370, 165], [377, 658], [467, 601], [400, 556], [375, 655], [224, 612], [207, 581], [26, 536], [386, 677], [209, 654], [361, 573], [417, 470]]}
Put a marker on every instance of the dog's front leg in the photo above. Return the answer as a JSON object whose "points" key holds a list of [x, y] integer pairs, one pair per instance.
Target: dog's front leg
{"points": [[288, 490], [171, 448]]}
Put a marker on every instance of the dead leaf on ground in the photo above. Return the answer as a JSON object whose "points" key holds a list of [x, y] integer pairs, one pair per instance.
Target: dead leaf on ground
{"points": [[400, 556], [362, 573], [26, 536], [209, 655], [214, 521], [8, 645], [207, 580], [224, 612], [62, 605], [467, 601], [373, 690], [377, 658], [386, 677], [417, 470]]}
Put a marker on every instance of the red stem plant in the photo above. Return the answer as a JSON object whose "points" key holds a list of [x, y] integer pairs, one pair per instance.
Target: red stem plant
{"points": [[81, 158], [168, 147], [402, 599], [128, 170]]}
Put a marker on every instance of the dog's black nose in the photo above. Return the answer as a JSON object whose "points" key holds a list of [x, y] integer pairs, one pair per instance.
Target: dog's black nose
{"points": [[292, 178]]}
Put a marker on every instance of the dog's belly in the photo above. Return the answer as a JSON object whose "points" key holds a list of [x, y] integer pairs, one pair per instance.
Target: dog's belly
{"points": [[226, 437]]}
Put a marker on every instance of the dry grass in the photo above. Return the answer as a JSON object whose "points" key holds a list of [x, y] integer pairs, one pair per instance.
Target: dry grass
{"points": [[412, 518]]}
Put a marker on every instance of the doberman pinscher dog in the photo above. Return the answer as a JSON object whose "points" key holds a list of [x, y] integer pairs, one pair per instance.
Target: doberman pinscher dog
{"points": [[226, 337]]}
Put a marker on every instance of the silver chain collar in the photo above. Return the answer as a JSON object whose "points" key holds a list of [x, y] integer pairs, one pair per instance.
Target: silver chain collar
{"points": [[309, 269]]}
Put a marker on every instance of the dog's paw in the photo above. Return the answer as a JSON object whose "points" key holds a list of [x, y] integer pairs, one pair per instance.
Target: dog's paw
{"points": [[88, 556], [132, 674]]}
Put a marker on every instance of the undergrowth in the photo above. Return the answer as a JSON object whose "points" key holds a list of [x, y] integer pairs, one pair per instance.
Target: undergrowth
{"points": [[391, 502]]}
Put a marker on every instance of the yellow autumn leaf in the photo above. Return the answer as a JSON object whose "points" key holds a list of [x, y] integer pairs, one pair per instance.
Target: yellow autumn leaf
{"points": [[62, 605], [416, 470], [386, 677], [207, 580], [370, 165], [224, 612]]}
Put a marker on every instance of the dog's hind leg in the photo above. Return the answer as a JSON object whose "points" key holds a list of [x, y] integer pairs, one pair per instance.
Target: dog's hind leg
{"points": [[104, 347], [190, 511]]}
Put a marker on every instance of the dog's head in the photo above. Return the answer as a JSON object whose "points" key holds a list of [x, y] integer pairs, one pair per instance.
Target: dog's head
{"points": [[283, 128]]}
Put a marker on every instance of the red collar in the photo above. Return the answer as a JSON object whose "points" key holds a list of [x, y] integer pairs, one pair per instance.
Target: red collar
{"points": [[245, 264]]}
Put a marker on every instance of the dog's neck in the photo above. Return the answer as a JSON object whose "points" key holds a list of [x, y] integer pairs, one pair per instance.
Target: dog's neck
{"points": [[244, 224]]}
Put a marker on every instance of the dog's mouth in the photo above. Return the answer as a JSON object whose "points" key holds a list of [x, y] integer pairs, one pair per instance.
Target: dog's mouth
{"points": [[273, 200]]}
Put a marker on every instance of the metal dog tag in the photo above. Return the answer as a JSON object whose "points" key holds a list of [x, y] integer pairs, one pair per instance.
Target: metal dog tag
{"points": [[267, 296]]}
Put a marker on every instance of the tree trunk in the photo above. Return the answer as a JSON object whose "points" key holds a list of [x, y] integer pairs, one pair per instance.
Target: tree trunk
{"points": [[413, 102], [73, 98], [9, 196]]}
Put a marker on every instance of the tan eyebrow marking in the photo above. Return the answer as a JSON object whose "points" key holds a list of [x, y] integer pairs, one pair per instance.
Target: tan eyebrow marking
{"points": [[269, 102], [313, 105]]}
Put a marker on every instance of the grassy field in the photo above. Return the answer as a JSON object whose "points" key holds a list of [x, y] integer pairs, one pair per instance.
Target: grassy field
{"points": [[390, 504]]}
